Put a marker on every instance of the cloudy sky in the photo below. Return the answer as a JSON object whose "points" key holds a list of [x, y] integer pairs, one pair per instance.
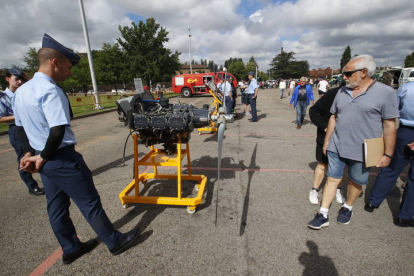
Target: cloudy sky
{"points": [[317, 30]]}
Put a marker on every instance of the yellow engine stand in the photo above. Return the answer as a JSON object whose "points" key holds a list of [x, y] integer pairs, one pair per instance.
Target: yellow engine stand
{"points": [[156, 158], [212, 127]]}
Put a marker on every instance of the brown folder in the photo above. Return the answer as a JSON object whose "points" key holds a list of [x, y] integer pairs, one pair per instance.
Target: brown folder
{"points": [[373, 151]]}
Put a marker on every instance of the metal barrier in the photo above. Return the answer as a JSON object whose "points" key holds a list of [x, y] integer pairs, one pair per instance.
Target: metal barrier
{"points": [[82, 100]]}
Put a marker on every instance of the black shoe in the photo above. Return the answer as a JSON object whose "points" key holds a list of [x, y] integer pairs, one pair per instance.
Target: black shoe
{"points": [[403, 222], [370, 208], [37, 191], [125, 242], [84, 248]]}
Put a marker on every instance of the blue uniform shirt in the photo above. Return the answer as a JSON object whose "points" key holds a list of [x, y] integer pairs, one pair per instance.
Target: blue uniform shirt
{"points": [[406, 104], [6, 108], [40, 105], [252, 86]]}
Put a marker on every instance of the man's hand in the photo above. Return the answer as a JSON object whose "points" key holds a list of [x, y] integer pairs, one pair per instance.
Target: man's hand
{"points": [[312, 102], [411, 146], [33, 164], [383, 162], [26, 165]]}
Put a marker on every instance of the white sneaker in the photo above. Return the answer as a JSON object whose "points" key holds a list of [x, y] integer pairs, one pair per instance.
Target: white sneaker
{"points": [[339, 197], [314, 197]]}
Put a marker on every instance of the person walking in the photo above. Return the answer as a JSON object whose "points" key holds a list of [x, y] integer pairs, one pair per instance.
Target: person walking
{"points": [[44, 130], [253, 90], [323, 86], [403, 154], [363, 109], [292, 86], [302, 96], [282, 87], [15, 78], [319, 114]]}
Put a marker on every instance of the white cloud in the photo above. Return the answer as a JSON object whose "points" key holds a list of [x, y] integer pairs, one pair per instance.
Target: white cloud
{"points": [[317, 30]]}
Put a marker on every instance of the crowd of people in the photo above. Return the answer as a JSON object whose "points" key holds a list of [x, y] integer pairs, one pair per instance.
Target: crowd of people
{"points": [[361, 108]]}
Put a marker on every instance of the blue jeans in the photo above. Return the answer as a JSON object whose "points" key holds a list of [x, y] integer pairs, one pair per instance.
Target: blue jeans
{"points": [[281, 92], [25, 176], [357, 172], [387, 177], [300, 112]]}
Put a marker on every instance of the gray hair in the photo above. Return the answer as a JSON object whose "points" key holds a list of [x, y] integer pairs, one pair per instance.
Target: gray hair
{"points": [[303, 78], [365, 61]]}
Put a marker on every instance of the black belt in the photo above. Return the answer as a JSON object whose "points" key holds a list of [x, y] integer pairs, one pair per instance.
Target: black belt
{"points": [[12, 125]]}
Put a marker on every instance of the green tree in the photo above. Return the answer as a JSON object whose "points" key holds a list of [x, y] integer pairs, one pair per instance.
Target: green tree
{"points": [[285, 66], [238, 70], [212, 65], [81, 76], [110, 65], [145, 52], [409, 60], [228, 62], [346, 56], [262, 76], [32, 63]]}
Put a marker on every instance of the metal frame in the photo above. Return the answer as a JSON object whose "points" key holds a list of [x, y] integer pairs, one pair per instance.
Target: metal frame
{"points": [[212, 127], [157, 158]]}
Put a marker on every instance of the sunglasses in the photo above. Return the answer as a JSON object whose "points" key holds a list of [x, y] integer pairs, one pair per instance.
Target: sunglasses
{"points": [[349, 73]]}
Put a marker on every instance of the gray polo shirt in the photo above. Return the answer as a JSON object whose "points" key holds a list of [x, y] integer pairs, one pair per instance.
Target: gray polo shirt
{"points": [[360, 118]]}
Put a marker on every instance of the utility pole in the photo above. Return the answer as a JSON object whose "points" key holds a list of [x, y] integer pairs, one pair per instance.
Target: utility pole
{"points": [[88, 46], [189, 36]]}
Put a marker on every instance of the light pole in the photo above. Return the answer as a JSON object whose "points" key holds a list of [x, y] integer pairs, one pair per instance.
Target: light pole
{"points": [[189, 36], [389, 55], [88, 46]]}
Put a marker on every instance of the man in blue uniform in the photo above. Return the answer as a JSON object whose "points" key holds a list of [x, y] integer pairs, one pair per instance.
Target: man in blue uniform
{"points": [[44, 129], [253, 90], [403, 155], [16, 78]]}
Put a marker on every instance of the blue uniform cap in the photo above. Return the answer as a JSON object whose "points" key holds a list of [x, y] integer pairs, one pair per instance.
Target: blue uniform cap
{"points": [[16, 72], [49, 42], [250, 73]]}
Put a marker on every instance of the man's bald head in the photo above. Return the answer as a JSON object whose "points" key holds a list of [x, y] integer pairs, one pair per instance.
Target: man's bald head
{"points": [[46, 54]]}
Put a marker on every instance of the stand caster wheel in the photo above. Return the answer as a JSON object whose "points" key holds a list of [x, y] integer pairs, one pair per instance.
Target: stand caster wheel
{"points": [[191, 209], [126, 205]]}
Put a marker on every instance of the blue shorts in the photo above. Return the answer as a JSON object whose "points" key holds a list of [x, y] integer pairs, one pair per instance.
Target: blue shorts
{"points": [[357, 172]]}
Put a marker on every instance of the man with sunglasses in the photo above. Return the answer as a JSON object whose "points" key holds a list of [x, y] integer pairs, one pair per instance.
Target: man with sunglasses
{"points": [[363, 109], [15, 77]]}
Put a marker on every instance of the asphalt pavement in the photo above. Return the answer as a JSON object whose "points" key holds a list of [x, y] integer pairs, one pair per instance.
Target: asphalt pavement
{"points": [[262, 209]]}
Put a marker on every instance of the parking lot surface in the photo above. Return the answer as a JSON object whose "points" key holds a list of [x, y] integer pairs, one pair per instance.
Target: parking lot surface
{"points": [[262, 209]]}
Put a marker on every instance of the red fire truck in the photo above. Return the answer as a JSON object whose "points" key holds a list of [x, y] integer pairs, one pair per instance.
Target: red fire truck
{"points": [[191, 84]]}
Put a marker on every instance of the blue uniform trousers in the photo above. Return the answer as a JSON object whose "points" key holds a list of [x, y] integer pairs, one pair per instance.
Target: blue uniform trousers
{"points": [[66, 176], [387, 177], [229, 104], [25, 176], [252, 103]]}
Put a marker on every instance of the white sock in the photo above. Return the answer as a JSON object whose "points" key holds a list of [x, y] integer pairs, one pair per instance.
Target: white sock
{"points": [[324, 212], [348, 207]]}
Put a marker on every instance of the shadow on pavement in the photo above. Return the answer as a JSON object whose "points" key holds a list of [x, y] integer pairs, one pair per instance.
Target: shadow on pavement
{"points": [[113, 164], [314, 263], [251, 171]]}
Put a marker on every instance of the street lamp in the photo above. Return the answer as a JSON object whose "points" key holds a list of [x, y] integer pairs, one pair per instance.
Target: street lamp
{"points": [[189, 36]]}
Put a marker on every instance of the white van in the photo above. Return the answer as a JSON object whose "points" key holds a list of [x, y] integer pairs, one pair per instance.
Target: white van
{"points": [[407, 75]]}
